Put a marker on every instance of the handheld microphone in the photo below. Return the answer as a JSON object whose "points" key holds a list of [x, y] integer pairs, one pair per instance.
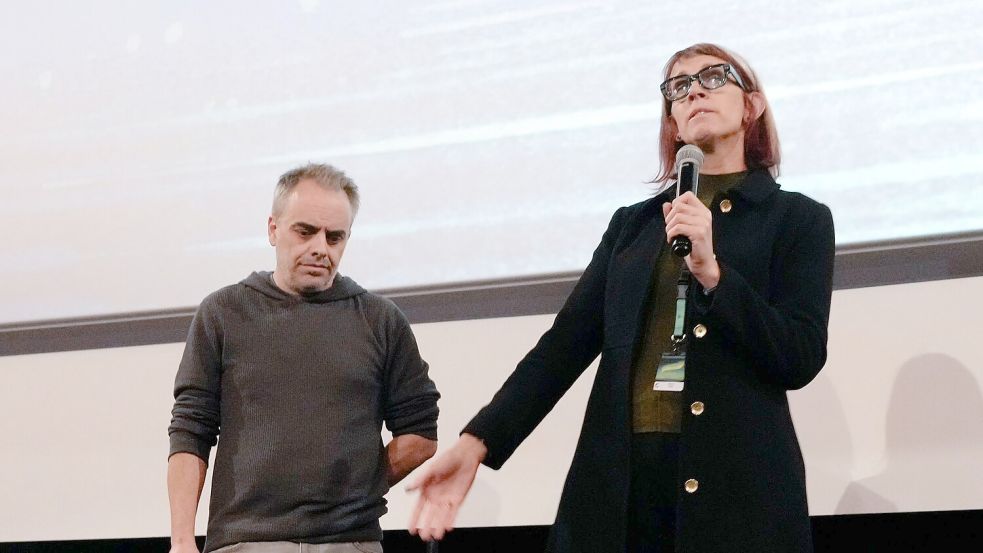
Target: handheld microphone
{"points": [[689, 159]]}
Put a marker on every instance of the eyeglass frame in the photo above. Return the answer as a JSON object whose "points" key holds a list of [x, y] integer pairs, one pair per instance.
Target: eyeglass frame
{"points": [[728, 70]]}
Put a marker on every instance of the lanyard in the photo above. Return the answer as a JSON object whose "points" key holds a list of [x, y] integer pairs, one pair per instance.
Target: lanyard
{"points": [[678, 338]]}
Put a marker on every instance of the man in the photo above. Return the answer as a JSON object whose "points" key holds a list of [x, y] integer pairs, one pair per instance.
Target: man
{"points": [[298, 368]]}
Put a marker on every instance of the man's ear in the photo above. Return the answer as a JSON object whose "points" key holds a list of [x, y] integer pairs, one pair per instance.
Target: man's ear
{"points": [[271, 230]]}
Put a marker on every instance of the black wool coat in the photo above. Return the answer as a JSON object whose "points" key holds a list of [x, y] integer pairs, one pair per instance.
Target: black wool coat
{"points": [[763, 331]]}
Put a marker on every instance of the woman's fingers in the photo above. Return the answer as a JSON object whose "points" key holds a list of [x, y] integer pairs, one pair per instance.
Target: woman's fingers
{"points": [[433, 518]]}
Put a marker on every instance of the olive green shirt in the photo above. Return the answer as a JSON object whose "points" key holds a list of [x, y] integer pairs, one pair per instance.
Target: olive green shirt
{"points": [[656, 411]]}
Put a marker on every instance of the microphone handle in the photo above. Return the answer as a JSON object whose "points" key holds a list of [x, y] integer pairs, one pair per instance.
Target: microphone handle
{"points": [[686, 182], [681, 246]]}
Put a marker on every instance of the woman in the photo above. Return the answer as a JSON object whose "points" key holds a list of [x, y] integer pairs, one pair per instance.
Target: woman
{"points": [[716, 465]]}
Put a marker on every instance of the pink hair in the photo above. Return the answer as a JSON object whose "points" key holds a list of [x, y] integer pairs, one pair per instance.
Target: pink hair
{"points": [[761, 147]]}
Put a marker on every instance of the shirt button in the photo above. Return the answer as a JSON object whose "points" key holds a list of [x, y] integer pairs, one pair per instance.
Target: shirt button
{"points": [[691, 485], [725, 206], [696, 408], [699, 331]]}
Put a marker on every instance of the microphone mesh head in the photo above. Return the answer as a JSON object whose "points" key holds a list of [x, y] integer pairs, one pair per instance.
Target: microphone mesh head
{"points": [[689, 153]]}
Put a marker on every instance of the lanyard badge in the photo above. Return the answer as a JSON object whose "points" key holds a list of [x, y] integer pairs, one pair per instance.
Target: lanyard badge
{"points": [[671, 373]]}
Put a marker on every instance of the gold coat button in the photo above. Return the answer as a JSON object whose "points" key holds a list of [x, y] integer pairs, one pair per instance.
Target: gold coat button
{"points": [[725, 206], [699, 331], [691, 485], [696, 408]]}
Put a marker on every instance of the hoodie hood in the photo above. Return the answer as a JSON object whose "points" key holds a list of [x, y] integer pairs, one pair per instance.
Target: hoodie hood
{"points": [[342, 289]]}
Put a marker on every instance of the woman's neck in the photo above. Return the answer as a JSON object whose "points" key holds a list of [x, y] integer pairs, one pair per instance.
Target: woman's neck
{"points": [[724, 155]]}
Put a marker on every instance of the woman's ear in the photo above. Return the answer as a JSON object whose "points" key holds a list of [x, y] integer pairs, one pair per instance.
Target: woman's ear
{"points": [[675, 129], [755, 106]]}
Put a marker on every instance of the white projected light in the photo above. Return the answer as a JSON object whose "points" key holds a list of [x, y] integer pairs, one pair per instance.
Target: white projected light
{"points": [[142, 141]]}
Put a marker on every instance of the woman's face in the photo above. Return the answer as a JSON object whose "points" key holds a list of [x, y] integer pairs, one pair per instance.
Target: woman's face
{"points": [[708, 117]]}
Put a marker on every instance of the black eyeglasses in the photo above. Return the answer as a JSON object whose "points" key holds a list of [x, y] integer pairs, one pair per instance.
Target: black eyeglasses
{"points": [[715, 76]]}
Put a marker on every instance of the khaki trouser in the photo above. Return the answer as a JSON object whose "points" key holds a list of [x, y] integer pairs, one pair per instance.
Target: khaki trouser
{"points": [[291, 547]]}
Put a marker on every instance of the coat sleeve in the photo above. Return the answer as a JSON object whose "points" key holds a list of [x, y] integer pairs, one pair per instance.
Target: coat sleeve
{"points": [[553, 365], [410, 405], [785, 334], [196, 415]]}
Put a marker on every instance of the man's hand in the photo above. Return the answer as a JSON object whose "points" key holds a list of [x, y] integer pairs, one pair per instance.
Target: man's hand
{"points": [[687, 216], [443, 486]]}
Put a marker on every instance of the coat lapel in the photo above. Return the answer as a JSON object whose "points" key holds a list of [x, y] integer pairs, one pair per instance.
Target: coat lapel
{"points": [[631, 271]]}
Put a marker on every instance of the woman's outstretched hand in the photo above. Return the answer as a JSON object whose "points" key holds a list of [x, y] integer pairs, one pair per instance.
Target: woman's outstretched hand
{"points": [[443, 485]]}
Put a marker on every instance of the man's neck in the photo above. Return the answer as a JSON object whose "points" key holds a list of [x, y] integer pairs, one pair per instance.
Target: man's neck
{"points": [[278, 282]]}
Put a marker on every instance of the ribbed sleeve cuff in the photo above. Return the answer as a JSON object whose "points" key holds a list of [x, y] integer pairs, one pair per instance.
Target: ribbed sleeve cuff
{"points": [[186, 442], [422, 423]]}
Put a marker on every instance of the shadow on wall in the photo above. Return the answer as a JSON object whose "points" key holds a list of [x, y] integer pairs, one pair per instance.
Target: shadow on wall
{"points": [[934, 443], [824, 435]]}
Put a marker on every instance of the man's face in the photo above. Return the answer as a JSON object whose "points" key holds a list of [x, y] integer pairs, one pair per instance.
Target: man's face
{"points": [[310, 236]]}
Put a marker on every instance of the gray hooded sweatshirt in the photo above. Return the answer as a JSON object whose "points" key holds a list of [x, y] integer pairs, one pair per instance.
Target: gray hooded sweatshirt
{"points": [[298, 388]]}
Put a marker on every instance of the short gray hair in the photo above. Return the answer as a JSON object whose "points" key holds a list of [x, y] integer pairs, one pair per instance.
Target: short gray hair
{"points": [[326, 176]]}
